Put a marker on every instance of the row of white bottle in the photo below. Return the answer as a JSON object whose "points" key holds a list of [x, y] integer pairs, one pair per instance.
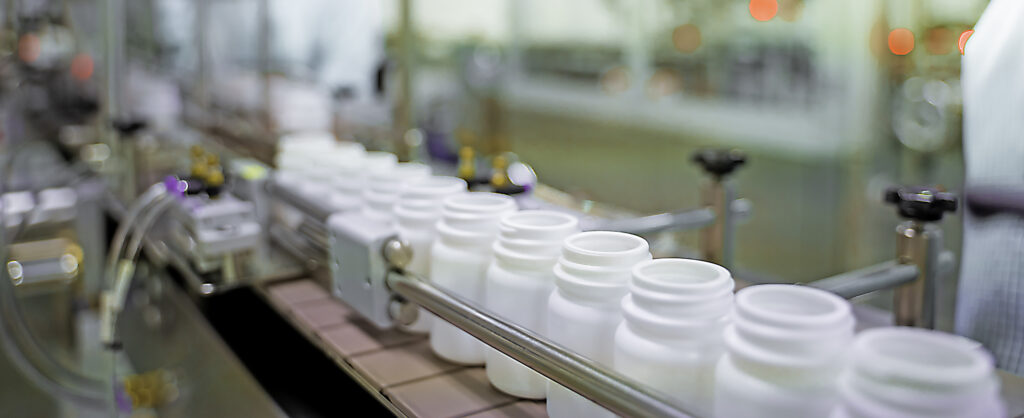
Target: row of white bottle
{"points": [[791, 352], [311, 160], [777, 351]]}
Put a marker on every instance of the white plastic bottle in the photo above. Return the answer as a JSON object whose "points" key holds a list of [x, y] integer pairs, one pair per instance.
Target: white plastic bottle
{"points": [[916, 373], [458, 262], [519, 283], [671, 338], [304, 161], [339, 157], [383, 188], [591, 278], [348, 184], [296, 154], [416, 214], [784, 352]]}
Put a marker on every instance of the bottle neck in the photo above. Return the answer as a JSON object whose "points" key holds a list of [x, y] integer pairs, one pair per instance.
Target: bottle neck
{"points": [[472, 241], [789, 331], [611, 301], [703, 324], [422, 218], [526, 255], [599, 284], [680, 293]]}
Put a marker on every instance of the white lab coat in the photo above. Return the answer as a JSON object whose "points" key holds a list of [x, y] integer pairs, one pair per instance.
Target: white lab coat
{"points": [[990, 306]]}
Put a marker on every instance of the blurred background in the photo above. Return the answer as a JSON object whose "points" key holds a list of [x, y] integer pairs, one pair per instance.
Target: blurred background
{"points": [[831, 100], [606, 99]]}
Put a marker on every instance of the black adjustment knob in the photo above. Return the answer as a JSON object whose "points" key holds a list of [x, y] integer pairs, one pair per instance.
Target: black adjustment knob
{"points": [[719, 162], [128, 126], [924, 204]]}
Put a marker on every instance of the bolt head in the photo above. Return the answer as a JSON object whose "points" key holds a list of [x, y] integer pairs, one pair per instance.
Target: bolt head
{"points": [[402, 311], [397, 252], [16, 272]]}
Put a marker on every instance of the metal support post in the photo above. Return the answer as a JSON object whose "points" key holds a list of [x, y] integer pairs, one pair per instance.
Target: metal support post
{"points": [[920, 245], [718, 241]]}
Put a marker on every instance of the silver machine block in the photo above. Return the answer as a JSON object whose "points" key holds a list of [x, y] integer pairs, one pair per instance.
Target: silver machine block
{"points": [[358, 268]]}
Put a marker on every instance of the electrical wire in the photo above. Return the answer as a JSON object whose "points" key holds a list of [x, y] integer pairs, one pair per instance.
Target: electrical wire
{"points": [[121, 266], [148, 198]]}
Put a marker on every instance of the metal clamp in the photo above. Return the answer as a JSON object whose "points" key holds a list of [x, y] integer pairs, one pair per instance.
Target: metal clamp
{"points": [[718, 240], [919, 263], [717, 218]]}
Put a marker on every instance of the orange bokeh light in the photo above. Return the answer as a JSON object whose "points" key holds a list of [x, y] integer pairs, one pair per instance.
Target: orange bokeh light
{"points": [[82, 67], [962, 43], [615, 80], [938, 41], [763, 10], [686, 38], [28, 47], [901, 41]]}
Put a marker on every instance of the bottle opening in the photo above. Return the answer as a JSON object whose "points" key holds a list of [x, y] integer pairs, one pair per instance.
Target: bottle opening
{"points": [[605, 243], [439, 183], [479, 202], [375, 161], [675, 271], [921, 348], [540, 219], [792, 302]]}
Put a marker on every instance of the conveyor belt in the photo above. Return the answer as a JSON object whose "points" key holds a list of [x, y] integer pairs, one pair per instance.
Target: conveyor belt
{"points": [[397, 368]]}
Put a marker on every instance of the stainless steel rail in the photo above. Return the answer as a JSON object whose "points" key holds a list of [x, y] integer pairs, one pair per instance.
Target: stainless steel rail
{"points": [[887, 275], [669, 221], [298, 247], [316, 210], [694, 219], [851, 284], [604, 387], [309, 242]]}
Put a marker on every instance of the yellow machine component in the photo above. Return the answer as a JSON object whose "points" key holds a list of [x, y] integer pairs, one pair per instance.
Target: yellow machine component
{"points": [[197, 152], [212, 159], [467, 163], [253, 172], [215, 177], [206, 166], [199, 169], [499, 178], [151, 389]]}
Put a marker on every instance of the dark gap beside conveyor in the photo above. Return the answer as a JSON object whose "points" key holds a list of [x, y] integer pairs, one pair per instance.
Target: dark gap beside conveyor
{"points": [[302, 380]]}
